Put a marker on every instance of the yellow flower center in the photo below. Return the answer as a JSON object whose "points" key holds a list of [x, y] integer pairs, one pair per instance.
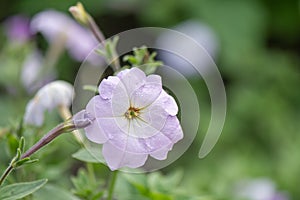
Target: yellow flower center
{"points": [[132, 112]]}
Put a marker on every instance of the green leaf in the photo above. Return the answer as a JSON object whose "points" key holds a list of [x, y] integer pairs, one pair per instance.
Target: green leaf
{"points": [[142, 59], [20, 162], [50, 192], [174, 178], [24, 161], [139, 181], [186, 197], [92, 155], [20, 190], [85, 188], [22, 144], [160, 196], [164, 183], [131, 59], [19, 153]]}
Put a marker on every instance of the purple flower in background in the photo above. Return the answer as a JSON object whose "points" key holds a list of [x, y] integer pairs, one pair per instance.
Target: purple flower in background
{"points": [[135, 118], [259, 189], [54, 94], [55, 26], [17, 28]]}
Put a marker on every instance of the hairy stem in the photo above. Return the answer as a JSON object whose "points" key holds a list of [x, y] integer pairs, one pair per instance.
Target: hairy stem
{"points": [[95, 29], [5, 174], [42, 142], [51, 135], [91, 172], [112, 185], [65, 127], [100, 37]]}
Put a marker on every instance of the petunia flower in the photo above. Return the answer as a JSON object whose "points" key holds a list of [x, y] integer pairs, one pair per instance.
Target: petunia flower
{"points": [[135, 118], [52, 95], [56, 25]]}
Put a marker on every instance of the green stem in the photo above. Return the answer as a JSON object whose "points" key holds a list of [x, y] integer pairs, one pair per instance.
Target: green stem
{"points": [[61, 128], [95, 30], [112, 185], [101, 39], [5, 174], [65, 127], [91, 173]]}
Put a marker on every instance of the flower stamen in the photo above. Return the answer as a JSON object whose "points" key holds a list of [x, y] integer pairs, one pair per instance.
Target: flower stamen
{"points": [[132, 113]]}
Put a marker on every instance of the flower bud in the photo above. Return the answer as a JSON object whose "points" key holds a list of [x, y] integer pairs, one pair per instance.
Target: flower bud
{"points": [[79, 13]]}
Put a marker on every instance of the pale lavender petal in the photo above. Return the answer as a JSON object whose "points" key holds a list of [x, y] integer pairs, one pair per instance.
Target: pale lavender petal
{"points": [[171, 130], [147, 93], [115, 130], [133, 79], [112, 88], [117, 158], [168, 103], [95, 133], [141, 129], [122, 73], [157, 145], [107, 87], [162, 153], [161, 142], [154, 143], [99, 108], [154, 116], [121, 135], [120, 100]]}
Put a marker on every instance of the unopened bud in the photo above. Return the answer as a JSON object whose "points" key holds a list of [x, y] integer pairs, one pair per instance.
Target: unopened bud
{"points": [[79, 13]]}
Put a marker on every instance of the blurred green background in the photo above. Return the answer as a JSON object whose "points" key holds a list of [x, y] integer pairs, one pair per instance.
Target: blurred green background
{"points": [[258, 57]]}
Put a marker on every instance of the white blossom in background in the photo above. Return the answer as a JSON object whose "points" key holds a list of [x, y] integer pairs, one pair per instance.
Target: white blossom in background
{"points": [[79, 41], [201, 33], [32, 67], [52, 95], [259, 189]]}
